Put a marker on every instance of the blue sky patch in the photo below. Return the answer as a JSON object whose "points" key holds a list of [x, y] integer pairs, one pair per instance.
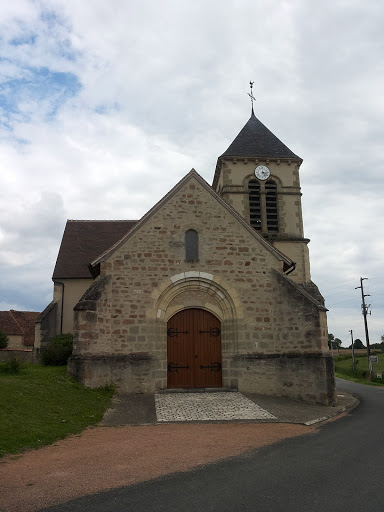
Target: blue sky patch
{"points": [[39, 85], [29, 39]]}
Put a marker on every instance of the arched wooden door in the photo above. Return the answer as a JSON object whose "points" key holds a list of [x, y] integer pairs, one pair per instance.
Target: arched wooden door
{"points": [[194, 350]]}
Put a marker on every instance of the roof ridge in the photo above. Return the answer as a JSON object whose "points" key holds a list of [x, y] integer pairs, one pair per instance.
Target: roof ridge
{"points": [[23, 311], [15, 319], [102, 220]]}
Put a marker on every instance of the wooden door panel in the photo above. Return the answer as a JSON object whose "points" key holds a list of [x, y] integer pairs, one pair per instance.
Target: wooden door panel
{"points": [[180, 351], [194, 350], [208, 348]]}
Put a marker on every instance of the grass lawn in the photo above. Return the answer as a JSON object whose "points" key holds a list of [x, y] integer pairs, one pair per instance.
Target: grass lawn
{"points": [[343, 368], [42, 404]]}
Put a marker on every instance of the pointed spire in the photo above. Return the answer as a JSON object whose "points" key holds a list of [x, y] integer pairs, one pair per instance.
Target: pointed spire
{"points": [[255, 140]]}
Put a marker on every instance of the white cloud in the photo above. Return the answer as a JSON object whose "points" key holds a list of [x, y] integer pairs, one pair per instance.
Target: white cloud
{"points": [[149, 90]]}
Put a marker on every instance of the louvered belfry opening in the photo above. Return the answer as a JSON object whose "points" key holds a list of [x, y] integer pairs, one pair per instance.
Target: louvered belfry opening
{"points": [[263, 217], [271, 206], [254, 204]]}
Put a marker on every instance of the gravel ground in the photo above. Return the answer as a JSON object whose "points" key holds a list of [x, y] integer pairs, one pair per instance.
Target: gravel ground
{"points": [[102, 458]]}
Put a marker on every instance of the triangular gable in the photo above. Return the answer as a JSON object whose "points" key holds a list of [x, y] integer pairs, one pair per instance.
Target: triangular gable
{"points": [[19, 323], [193, 174]]}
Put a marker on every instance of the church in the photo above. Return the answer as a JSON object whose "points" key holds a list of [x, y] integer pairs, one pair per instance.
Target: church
{"points": [[209, 289]]}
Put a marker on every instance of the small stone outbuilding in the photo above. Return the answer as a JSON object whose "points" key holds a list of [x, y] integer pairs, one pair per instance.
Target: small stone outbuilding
{"points": [[19, 326]]}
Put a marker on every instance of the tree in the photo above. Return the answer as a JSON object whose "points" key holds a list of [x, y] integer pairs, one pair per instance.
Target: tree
{"points": [[4, 340], [380, 346], [357, 344], [333, 342], [382, 338]]}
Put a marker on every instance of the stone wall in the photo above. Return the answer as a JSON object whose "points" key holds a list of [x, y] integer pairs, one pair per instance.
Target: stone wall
{"points": [[16, 341], [45, 328], [24, 355], [307, 377]]}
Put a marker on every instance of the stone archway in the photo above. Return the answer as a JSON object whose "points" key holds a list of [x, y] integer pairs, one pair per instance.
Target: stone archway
{"points": [[198, 290]]}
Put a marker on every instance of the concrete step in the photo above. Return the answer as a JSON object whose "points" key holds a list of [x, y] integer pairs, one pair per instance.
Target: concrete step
{"points": [[197, 390]]}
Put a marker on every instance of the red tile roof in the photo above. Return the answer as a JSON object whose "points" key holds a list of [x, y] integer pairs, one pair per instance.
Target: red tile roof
{"points": [[83, 241], [8, 324], [20, 323]]}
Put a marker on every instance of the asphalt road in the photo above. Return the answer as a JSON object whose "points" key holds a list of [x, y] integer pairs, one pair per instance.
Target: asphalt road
{"points": [[339, 468]]}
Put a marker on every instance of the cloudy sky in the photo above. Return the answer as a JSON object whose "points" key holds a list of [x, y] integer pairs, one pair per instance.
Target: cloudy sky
{"points": [[104, 106]]}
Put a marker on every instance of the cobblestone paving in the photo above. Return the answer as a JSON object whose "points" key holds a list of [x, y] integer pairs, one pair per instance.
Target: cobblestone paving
{"points": [[207, 407]]}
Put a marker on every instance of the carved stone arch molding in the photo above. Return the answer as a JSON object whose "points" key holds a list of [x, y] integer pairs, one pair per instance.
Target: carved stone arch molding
{"points": [[205, 290]]}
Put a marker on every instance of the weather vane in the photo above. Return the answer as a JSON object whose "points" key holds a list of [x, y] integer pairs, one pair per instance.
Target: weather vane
{"points": [[250, 94]]}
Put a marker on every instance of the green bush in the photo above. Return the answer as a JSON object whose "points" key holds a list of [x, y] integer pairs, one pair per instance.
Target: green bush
{"points": [[13, 366], [4, 340], [58, 350], [349, 372]]}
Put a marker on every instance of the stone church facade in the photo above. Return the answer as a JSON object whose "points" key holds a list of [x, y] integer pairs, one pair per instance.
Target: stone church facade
{"points": [[210, 289]]}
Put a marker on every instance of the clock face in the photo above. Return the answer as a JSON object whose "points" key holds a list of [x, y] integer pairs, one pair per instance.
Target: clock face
{"points": [[262, 172]]}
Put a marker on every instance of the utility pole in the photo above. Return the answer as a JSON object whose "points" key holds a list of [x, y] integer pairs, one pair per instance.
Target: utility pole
{"points": [[364, 308], [353, 352]]}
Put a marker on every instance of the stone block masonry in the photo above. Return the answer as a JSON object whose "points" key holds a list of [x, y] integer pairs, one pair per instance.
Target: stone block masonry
{"points": [[273, 334]]}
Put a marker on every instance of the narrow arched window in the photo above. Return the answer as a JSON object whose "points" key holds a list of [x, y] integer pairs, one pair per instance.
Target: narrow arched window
{"points": [[191, 245], [254, 204], [271, 207]]}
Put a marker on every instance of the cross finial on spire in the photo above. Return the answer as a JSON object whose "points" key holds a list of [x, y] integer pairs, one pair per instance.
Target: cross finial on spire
{"points": [[250, 94]]}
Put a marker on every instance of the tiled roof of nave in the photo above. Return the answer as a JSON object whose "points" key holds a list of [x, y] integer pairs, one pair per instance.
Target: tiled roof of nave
{"points": [[83, 241]]}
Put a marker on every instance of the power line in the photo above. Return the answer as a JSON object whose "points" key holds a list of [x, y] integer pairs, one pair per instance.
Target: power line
{"points": [[349, 283], [341, 285], [341, 302]]}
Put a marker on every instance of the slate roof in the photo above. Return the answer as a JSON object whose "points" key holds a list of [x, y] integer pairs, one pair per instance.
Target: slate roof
{"points": [[255, 140], [20, 323], [83, 241]]}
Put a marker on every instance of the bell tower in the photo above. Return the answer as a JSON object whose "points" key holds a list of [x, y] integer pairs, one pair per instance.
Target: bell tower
{"points": [[258, 175]]}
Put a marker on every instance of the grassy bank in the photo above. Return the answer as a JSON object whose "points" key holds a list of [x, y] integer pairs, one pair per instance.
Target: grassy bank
{"points": [[344, 369], [42, 404]]}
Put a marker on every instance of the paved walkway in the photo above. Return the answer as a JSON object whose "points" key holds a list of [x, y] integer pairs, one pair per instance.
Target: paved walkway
{"points": [[145, 409], [208, 407]]}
